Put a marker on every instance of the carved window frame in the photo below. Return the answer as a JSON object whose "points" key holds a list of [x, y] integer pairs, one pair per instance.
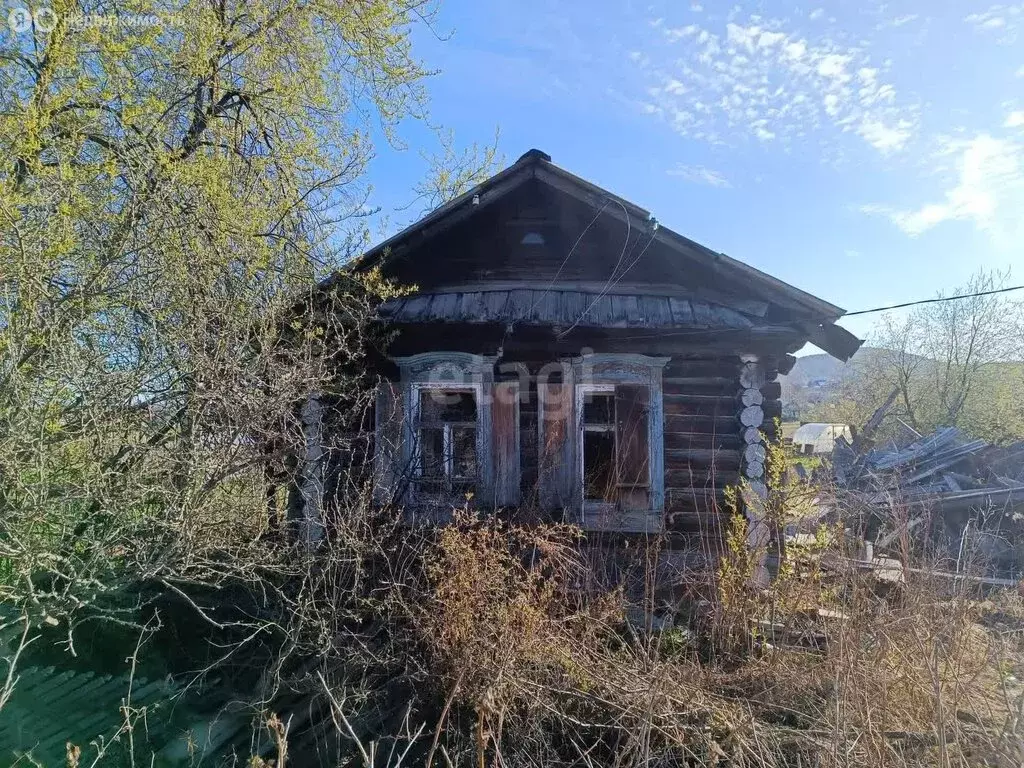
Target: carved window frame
{"points": [[446, 370], [602, 372]]}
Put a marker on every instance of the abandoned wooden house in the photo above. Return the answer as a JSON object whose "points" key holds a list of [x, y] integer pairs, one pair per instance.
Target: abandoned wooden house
{"points": [[565, 354]]}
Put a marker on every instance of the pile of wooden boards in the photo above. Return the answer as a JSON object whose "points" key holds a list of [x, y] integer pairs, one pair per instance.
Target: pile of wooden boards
{"points": [[966, 495], [943, 469]]}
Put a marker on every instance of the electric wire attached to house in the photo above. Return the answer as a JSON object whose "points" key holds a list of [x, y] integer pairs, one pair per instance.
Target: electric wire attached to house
{"points": [[936, 300]]}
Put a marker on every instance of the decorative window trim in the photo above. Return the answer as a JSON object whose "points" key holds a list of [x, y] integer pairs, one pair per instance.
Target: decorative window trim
{"points": [[455, 371], [601, 372], [418, 387]]}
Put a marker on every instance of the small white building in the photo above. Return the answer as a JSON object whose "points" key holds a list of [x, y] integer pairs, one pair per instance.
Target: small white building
{"points": [[817, 438]]}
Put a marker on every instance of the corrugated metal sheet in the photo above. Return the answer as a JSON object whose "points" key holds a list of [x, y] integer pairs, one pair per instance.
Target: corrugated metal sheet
{"points": [[563, 308], [51, 708]]}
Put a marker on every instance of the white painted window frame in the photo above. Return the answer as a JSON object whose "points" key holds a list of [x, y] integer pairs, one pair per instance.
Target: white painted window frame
{"points": [[601, 372], [446, 448], [454, 371]]}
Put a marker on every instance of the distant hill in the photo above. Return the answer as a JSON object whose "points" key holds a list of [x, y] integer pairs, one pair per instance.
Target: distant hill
{"points": [[993, 411], [816, 378]]}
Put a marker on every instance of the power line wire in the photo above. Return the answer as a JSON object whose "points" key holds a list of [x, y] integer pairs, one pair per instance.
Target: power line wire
{"points": [[936, 300]]}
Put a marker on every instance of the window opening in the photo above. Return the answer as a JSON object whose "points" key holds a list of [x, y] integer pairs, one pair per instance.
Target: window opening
{"points": [[447, 440], [599, 446]]}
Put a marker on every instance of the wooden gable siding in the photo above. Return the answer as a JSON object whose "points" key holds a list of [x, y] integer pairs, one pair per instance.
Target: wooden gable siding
{"points": [[581, 246]]}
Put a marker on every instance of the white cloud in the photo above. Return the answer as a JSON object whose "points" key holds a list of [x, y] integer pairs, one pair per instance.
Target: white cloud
{"points": [[797, 50], [999, 19], [678, 33], [1015, 119], [817, 13], [885, 138], [675, 87], [1020, 72], [756, 78], [989, 191], [899, 21], [992, 22], [698, 174]]}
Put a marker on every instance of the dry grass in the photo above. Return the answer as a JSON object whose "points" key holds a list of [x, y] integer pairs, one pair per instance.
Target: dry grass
{"points": [[912, 676]]}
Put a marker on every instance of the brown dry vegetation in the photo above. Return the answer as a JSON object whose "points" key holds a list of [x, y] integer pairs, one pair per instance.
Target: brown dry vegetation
{"points": [[912, 677]]}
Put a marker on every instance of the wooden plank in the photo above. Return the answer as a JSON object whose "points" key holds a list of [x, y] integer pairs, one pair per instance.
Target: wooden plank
{"points": [[730, 318], [388, 440], [505, 443], [415, 308], [622, 521], [573, 308], [703, 316], [747, 306], [656, 311], [602, 313], [696, 477], [725, 424], [520, 305], [626, 310], [728, 367], [682, 313], [632, 407], [700, 385], [694, 405], [687, 440], [472, 308], [442, 306], [495, 303], [556, 468], [679, 458], [548, 310]]}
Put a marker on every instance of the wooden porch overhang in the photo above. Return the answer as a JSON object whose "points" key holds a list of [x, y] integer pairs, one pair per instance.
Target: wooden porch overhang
{"points": [[563, 308]]}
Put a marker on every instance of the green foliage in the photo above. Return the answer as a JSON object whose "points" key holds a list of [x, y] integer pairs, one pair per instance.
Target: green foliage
{"points": [[953, 363], [169, 193]]}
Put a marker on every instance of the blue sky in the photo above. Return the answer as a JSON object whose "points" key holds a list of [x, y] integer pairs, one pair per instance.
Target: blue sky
{"points": [[867, 152]]}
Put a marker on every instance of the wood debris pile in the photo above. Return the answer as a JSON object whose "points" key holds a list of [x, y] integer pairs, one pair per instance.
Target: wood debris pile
{"points": [[965, 494]]}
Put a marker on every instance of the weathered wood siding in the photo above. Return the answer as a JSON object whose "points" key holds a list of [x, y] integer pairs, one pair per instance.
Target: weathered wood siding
{"points": [[704, 436]]}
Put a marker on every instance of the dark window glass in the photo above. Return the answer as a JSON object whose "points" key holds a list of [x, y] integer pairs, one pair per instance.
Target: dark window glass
{"points": [[447, 440], [432, 452], [463, 452], [599, 464], [444, 405], [598, 409]]}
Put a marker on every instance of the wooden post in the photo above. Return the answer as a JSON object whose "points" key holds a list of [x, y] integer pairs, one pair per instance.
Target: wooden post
{"points": [[755, 492], [311, 524]]}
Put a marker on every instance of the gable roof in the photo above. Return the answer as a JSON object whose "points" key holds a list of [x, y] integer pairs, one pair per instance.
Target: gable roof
{"points": [[818, 315]]}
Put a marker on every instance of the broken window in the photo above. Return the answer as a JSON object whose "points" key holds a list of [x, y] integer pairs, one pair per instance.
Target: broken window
{"points": [[615, 446], [599, 446], [446, 433]]}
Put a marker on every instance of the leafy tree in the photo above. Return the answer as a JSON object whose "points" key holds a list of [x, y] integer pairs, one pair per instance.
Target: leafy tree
{"points": [[952, 363], [169, 193]]}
